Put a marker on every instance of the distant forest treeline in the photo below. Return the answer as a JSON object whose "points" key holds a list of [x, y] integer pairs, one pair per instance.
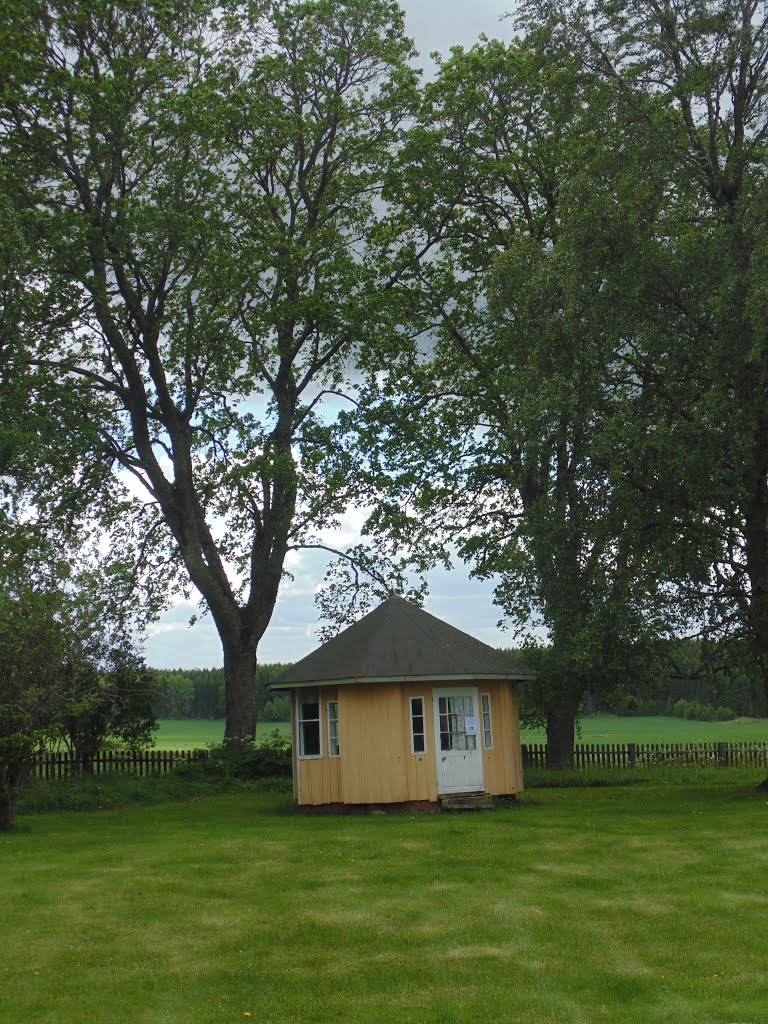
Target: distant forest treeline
{"points": [[691, 681], [199, 693]]}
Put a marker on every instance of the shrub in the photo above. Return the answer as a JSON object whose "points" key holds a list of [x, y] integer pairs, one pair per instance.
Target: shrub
{"points": [[269, 759], [724, 714], [277, 710], [695, 710]]}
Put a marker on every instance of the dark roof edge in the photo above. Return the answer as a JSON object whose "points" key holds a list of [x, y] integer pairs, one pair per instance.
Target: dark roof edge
{"points": [[438, 680]]}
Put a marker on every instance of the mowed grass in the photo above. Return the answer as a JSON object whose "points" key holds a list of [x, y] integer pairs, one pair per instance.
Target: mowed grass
{"points": [[658, 729], [641, 906], [187, 734], [193, 733]]}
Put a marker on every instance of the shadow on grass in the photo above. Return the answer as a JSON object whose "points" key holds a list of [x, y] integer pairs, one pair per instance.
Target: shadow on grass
{"points": [[101, 792], [659, 775], [115, 790]]}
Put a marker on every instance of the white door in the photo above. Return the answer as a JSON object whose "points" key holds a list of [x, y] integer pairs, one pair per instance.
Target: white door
{"points": [[457, 741]]}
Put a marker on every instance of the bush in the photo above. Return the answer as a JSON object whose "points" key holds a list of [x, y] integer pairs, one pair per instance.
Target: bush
{"points": [[277, 710], [269, 759], [724, 714], [695, 710]]}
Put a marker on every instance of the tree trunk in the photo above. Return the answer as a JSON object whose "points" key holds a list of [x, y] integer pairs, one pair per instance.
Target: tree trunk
{"points": [[8, 801], [85, 757], [15, 763], [561, 732], [240, 687], [756, 547]]}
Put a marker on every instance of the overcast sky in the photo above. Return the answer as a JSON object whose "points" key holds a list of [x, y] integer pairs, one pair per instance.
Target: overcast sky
{"points": [[467, 604]]}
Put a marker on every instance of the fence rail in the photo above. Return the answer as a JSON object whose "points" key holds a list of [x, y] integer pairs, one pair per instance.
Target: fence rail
{"points": [[59, 764], [630, 755]]}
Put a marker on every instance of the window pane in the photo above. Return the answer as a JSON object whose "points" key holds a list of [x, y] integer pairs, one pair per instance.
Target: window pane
{"points": [[454, 712], [310, 709], [333, 728], [485, 703], [418, 735], [310, 739]]}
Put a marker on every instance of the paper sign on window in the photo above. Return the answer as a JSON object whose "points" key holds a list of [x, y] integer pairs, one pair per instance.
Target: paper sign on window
{"points": [[470, 725]]}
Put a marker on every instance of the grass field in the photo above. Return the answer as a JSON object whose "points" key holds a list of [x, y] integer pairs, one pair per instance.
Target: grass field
{"points": [[187, 734], [190, 733], [646, 906], [659, 729]]}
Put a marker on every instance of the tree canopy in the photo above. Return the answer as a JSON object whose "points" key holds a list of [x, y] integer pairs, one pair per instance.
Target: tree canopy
{"points": [[541, 280], [585, 419], [201, 185]]}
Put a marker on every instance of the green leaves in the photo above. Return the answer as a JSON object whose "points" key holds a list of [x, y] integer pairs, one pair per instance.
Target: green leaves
{"points": [[204, 183]]}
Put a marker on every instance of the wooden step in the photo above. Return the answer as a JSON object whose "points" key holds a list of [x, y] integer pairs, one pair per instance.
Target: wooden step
{"points": [[467, 802]]}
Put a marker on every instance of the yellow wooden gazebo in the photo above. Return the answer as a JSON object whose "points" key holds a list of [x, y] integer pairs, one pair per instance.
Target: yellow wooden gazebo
{"points": [[402, 708]]}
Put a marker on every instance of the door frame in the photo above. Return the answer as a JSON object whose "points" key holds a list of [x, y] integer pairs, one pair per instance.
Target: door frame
{"points": [[457, 691]]}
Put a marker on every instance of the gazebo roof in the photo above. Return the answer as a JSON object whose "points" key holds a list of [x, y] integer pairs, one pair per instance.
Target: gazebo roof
{"points": [[398, 642]]}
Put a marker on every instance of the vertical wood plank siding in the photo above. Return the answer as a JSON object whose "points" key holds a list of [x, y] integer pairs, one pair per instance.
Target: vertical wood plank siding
{"points": [[295, 742], [376, 764], [420, 769], [321, 776], [373, 758]]}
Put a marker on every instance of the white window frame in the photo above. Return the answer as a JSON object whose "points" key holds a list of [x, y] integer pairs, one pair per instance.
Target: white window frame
{"points": [[300, 721], [328, 705], [423, 717], [485, 709]]}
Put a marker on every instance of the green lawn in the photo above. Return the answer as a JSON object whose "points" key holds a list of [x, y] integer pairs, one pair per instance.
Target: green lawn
{"points": [[187, 734], [190, 733], [644, 906], [658, 729]]}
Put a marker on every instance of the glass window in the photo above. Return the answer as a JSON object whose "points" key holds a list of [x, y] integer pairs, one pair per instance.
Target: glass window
{"points": [[334, 750], [485, 704], [309, 723], [418, 734], [453, 713]]}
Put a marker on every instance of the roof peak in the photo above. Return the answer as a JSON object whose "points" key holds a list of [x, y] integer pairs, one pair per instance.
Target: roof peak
{"points": [[398, 640]]}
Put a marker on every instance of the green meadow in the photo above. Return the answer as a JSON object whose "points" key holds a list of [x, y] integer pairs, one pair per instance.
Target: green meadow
{"points": [[186, 734], [640, 905], [658, 729], [191, 733]]}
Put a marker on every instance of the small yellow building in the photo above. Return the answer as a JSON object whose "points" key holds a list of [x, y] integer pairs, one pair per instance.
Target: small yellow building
{"points": [[401, 708]]}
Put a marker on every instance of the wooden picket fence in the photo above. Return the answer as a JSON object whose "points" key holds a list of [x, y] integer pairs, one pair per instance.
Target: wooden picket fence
{"points": [[59, 764], [630, 755]]}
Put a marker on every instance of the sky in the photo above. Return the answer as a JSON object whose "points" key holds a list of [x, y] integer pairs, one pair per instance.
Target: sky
{"points": [[453, 596]]}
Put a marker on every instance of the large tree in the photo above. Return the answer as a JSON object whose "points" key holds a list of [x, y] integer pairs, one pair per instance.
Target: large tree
{"points": [[671, 218], [497, 435], [589, 419], [202, 180]]}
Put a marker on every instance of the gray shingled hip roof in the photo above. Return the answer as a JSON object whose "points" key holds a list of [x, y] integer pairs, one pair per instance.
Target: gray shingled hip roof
{"points": [[398, 642]]}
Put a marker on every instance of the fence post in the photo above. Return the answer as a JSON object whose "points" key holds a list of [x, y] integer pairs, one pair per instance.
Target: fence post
{"points": [[632, 752], [722, 756], [524, 754]]}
